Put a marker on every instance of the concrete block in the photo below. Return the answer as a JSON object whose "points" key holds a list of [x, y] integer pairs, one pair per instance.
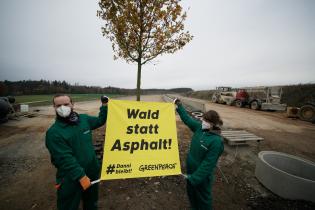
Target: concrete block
{"points": [[286, 175]]}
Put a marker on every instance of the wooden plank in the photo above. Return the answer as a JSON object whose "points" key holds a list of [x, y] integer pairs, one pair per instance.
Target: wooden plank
{"points": [[242, 139], [239, 137], [237, 134], [226, 131], [236, 143], [248, 139]]}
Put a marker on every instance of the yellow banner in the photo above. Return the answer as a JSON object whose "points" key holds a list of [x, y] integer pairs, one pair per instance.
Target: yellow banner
{"points": [[140, 141]]}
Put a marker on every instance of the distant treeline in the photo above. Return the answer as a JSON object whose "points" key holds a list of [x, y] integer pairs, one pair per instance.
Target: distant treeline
{"points": [[33, 87]]}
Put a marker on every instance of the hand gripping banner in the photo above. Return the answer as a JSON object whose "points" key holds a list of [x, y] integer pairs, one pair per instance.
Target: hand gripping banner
{"points": [[140, 141]]}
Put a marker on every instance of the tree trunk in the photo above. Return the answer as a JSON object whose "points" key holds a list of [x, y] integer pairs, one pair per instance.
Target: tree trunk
{"points": [[138, 81]]}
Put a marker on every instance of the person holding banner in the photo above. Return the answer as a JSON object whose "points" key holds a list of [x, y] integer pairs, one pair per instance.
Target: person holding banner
{"points": [[69, 141], [205, 149]]}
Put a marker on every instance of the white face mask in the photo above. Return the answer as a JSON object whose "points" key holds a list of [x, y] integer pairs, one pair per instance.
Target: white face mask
{"points": [[63, 111], [205, 125]]}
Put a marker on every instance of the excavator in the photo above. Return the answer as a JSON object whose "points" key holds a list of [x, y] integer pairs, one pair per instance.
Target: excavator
{"points": [[307, 112], [6, 108]]}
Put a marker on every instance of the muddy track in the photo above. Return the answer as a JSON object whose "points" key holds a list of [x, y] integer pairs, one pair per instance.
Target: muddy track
{"points": [[27, 176]]}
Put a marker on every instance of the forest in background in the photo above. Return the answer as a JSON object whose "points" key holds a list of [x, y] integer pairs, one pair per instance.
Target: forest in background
{"points": [[293, 95], [43, 87]]}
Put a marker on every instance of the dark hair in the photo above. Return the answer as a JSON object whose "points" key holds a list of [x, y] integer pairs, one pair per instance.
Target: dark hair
{"points": [[213, 117], [59, 95]]}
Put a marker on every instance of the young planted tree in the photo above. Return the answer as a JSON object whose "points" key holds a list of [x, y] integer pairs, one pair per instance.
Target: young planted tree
{"points": [[141, 30]]}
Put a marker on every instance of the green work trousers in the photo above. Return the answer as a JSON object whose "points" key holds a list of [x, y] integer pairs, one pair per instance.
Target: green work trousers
{"points": [[200, 196], [70, 194]]}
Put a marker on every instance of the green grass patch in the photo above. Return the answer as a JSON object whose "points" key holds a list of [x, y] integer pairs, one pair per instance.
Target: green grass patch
{"points": [[40, 100]]}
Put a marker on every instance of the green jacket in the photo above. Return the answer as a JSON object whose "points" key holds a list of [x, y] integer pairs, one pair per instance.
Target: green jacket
{"points": [[205, 149], [71, 147]]}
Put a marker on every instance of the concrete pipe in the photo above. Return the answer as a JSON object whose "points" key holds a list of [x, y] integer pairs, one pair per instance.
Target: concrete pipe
{"points": [[286, 175]]}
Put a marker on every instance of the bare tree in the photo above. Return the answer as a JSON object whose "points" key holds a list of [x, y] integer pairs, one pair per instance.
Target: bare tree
{"points": [[140, 30]]}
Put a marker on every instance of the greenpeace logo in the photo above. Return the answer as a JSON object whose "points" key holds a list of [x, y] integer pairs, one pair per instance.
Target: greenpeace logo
{"points": [[157, 167]]}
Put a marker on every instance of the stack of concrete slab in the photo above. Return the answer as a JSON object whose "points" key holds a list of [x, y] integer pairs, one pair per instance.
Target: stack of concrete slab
{"points": [[168, 98], [195, 106], [190, 105], [239, 137]]}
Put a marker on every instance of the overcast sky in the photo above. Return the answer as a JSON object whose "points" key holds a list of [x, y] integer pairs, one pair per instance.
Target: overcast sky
{"points": [[236, 43]]}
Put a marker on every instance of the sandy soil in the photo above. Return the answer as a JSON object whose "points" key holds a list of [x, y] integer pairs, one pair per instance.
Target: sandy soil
{"points": [[27, 176], [279, 132]]}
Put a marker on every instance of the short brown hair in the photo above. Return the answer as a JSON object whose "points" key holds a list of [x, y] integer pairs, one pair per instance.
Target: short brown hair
{"points": [[213, 117], [59, 95]]}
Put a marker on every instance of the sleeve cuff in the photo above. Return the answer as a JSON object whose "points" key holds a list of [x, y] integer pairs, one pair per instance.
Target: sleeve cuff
{"points": [[192, 180], [79, 176], [103, 108]]}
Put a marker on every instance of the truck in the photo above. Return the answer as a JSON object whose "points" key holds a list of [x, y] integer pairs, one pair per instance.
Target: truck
{"points": [[224, 95], [307, 112], [258, 98]]}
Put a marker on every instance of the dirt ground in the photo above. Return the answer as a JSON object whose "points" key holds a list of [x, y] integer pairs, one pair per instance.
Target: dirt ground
{"points": [[27, 176]]}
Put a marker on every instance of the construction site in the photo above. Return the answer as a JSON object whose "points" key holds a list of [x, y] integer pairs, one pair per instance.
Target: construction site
{"points": [[267, 163], [166, 105]]}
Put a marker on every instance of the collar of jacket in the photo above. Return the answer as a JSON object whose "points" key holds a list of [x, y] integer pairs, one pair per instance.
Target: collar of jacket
{"points": [[61, 123]]}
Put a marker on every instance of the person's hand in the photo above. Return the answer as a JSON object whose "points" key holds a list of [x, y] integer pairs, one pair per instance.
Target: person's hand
{"points": [[177, 101], [104, 100], [85, 182]]}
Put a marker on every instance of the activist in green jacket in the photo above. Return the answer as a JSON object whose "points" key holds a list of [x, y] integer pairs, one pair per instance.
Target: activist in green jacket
{"points": [[69, 141], [205, 149]]}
